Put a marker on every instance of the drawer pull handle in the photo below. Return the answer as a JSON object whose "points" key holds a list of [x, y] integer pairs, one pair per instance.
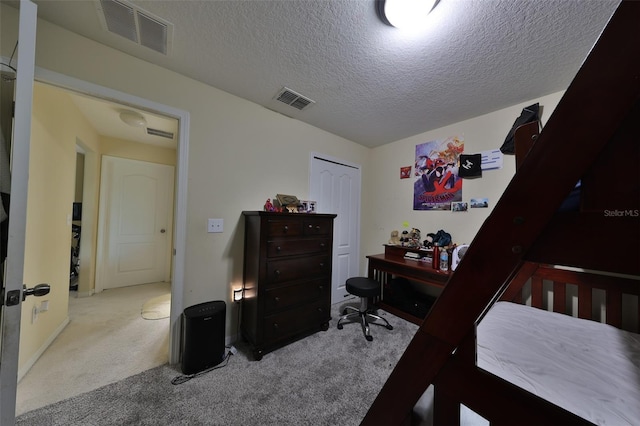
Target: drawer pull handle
{"points": [[321, 264], [275, 326], [278, 248], [285, 229], [277, 272], [320, 287], [276, 299], [322, 245], [317, 227]]}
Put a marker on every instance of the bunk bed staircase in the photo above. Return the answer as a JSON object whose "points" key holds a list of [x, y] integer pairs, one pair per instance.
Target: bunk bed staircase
{"points": [[592, 138]]}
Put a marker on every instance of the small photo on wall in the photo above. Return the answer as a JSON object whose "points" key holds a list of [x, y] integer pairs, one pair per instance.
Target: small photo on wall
{"points": [[405, 172], [459, 206], [478, 203]]}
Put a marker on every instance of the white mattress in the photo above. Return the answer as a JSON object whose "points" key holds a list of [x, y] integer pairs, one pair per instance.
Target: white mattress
{"points": [[587, 368]]}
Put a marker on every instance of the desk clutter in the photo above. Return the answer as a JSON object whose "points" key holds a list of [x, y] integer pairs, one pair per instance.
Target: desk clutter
{"points": [[437, 249]]}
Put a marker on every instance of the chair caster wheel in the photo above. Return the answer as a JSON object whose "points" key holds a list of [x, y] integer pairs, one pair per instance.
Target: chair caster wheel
{"points": [[389, 327], [369, 338], [339, 326]]}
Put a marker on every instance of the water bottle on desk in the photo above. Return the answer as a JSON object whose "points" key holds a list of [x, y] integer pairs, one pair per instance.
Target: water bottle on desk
{"points": [[444, 260]]}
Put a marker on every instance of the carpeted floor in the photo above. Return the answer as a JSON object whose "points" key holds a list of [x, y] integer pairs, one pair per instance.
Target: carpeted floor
{"points": [[328, 378]]}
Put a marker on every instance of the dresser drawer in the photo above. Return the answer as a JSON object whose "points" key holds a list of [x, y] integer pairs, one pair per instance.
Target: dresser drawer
{"points": [[317, 226], [290, 247], [305, 292], [280, 271], [284, 227], [295, 321]]}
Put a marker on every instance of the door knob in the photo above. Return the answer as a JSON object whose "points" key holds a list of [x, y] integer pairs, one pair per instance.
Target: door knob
{"points": [[38, 291]]}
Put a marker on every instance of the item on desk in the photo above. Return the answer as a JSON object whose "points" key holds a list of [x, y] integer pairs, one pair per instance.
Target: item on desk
{"points": [[435, 262], [444, 260], [440, 238], [395, 238], [404, 239], [458, 253], [413, 256], [414, 238]]}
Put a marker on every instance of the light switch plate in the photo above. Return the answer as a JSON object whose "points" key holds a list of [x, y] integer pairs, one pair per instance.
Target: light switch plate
{"points": [[215, 225]]}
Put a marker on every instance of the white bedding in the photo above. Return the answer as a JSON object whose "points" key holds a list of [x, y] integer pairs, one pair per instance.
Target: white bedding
{"points": [[587, 368]]}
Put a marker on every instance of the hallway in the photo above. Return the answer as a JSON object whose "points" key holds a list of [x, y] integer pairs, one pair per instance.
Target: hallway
{"points": [[106, 340]]}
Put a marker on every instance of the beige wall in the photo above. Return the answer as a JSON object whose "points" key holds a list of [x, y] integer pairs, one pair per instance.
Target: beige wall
{"points": [[137, 151]]}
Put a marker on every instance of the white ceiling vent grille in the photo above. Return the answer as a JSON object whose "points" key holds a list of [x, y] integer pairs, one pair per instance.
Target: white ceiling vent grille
{"points": [[293, 99], [161, 133], [141, 27]]}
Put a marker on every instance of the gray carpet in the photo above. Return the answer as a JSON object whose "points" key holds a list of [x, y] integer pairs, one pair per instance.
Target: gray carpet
{"points": [[328, 378]]}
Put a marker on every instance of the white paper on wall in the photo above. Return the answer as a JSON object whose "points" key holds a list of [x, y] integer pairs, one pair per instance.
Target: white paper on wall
{"points": [[491, 160]]}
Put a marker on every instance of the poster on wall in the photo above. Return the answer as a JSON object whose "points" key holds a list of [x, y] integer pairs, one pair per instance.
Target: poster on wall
{"points": [[437, 184]]}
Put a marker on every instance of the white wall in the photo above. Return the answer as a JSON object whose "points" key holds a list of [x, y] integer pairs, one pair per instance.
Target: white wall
{"points": [[389, 199]]}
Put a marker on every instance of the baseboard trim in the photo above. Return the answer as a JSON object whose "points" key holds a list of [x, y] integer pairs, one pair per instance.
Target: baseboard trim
{"points": [[30, 363], [85, 293]]}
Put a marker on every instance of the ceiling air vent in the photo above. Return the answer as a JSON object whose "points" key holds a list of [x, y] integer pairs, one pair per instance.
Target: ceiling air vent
{"points": [[293, 99], [141, 27], [161, 133]]}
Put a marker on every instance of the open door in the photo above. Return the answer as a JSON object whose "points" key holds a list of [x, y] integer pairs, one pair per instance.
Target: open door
{"points": [[13, 292]]}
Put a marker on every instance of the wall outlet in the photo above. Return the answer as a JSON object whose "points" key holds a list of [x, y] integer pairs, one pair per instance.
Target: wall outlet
{"points": [[215, 225]]}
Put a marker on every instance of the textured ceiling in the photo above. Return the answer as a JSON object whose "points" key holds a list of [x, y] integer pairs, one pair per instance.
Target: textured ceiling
{"points": [[372, 84]]}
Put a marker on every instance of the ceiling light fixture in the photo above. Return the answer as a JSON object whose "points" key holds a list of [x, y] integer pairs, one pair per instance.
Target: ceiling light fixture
{"points": [[133, 118], [404, 14]]}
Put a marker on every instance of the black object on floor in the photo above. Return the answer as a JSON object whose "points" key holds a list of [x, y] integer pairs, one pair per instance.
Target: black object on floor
{"points": [[203, 328]]}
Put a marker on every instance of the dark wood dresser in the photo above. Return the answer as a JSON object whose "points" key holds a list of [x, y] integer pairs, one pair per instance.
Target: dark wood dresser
{"points": [[287, 277]]}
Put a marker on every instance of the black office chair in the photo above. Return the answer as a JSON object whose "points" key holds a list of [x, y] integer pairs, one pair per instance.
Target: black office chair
{"points": [[364, 288]]}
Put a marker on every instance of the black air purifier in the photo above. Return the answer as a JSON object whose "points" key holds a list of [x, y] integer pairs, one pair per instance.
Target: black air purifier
{"points": [[203, 328]]}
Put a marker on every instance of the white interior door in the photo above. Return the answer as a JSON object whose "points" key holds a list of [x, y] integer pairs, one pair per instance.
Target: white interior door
{"points": [[14, 265], [136, 204], [336, 185]]}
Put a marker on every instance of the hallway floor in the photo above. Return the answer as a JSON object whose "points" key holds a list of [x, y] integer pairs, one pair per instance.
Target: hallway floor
{"points": [[106, 340]]}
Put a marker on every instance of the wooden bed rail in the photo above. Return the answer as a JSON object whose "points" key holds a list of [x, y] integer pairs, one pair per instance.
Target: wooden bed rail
{"points": [[569, 285]]}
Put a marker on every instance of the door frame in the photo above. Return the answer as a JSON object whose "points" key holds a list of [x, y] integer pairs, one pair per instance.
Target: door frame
{"points": [[181, 180], [11, 315]]}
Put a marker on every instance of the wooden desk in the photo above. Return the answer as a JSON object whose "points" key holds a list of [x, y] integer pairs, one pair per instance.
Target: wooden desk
{"points": [[383, 267]]}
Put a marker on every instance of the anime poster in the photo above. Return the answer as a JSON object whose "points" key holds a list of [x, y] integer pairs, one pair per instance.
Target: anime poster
{"points": [[437, 184]]}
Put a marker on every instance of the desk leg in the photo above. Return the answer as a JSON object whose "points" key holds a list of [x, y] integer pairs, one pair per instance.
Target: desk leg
{"points": [[380, 276]]}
